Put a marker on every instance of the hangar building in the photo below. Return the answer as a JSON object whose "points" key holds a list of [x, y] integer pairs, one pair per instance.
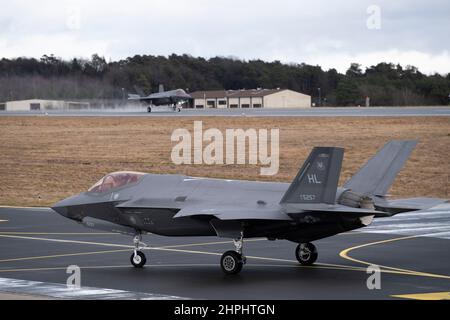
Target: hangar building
{"points": [[256, 98], [38, 104]]}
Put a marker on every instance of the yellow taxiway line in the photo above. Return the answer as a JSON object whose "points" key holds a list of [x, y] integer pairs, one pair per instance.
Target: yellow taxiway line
{"points": [[425, 296], [345, 254]]}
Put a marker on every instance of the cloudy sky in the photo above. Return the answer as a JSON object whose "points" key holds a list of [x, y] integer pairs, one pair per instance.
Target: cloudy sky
{"points": [[328, 33]]}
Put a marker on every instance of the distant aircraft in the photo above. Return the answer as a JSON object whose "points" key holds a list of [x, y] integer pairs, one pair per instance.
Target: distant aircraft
{"points": [[174, 99], [312, 207]]}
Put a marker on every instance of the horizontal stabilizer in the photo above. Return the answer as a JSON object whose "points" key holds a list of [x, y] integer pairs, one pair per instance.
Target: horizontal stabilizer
{"points": [[411, 204]]}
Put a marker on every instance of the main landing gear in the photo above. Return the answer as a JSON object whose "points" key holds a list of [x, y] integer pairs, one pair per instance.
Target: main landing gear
{"points": [[233, 261], [306, 254], [138, 259]]}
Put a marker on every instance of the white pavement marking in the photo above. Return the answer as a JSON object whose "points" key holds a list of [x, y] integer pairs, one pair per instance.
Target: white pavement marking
{"points": [[27, 208], [173, 249], [61, 291], [434, 222]]}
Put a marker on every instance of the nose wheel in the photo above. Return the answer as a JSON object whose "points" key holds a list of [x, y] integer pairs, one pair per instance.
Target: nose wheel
{"points": [[306, 254], [233, 261], [138, 259]]}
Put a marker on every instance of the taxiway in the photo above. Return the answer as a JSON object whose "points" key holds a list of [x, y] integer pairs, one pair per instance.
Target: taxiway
{"points": [[311, 112], [37, 245]]}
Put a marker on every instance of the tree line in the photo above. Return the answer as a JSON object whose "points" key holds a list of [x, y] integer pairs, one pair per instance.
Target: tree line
{"points": [[53, 78]]}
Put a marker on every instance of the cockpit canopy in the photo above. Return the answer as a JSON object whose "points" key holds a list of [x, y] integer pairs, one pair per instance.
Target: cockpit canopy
{"points": [[115, 180]]}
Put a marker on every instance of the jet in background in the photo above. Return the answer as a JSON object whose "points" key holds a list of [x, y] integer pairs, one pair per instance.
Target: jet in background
{"points": [[312, 207], [173, 99]]}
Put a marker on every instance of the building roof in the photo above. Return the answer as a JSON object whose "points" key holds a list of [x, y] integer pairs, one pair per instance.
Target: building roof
{"points": [[217, 94]]}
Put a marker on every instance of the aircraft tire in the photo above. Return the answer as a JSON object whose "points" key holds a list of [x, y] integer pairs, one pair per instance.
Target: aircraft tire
{"points": [[231, 262], [139, 260], [306, 254]]}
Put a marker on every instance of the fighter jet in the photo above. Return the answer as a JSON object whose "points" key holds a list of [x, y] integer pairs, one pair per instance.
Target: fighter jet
{"points": [[174, 99], [312, 207]]}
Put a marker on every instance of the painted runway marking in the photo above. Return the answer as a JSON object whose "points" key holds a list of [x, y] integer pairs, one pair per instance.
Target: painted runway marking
{"points": [[345, 254], [425, 296], [61, 291], [296, 266], [60, 233], [5, 235], [433, 222], [172, 249], [27, 208], [63, 255]]}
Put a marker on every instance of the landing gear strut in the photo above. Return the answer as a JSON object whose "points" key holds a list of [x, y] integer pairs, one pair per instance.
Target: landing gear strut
{"points": [[306, 254], [138, 259], [233, 261], [176, 108]]}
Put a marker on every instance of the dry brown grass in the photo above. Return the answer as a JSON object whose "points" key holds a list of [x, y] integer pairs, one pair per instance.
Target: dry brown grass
{"points": [[53, 158]]}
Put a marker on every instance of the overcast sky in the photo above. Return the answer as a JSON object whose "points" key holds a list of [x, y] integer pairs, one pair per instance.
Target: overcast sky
{"points": [[326, 33]]}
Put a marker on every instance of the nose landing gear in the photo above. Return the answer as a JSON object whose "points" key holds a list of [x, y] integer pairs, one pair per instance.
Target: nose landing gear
{"points": [[138, 259], [233, 261]]}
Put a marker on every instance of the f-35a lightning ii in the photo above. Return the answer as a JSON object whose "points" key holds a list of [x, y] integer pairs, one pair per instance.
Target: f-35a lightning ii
{"points": [[174, 99], [312, 207]]}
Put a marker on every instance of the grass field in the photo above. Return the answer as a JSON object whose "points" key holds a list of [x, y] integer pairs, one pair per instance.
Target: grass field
{"points": [[45, 159]]}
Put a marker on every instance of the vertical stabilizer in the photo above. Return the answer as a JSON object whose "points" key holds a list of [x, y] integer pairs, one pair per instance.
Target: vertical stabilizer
{"points": [[317, 180], [378, 174]]}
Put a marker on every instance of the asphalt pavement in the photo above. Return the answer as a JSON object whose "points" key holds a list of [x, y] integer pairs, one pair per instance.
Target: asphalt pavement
{"points": [[37, 246]]}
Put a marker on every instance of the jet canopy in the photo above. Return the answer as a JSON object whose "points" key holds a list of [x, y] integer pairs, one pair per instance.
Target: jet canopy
{"points": [[115, 180]]}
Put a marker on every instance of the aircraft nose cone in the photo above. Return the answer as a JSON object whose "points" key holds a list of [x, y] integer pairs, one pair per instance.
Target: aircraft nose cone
{"points": [[62, 207]]}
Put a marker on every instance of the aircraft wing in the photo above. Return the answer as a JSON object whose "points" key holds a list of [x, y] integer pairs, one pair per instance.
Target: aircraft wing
{"points": [[234, 213], [163, 97], [179, 93], [204, 209]]}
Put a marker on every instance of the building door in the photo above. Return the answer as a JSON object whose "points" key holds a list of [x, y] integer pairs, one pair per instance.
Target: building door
{"points": [[35, 106]]}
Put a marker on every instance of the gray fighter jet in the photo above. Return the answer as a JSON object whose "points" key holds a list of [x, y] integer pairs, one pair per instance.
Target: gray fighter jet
{"points": [[174, 99], [312, 207]]}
